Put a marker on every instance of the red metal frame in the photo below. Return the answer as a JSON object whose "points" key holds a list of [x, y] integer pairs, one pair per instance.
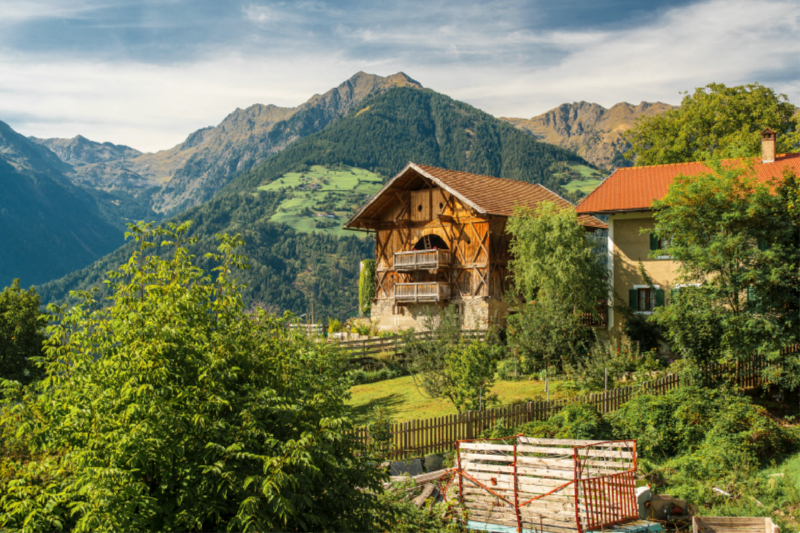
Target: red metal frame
{"points": [[607, 499]]}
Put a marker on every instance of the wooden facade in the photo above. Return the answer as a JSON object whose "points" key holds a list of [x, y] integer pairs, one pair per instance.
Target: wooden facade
{"points": [[440, 238]]}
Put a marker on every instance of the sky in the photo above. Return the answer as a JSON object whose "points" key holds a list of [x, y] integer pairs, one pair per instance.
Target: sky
{"points": [[148, 73]]}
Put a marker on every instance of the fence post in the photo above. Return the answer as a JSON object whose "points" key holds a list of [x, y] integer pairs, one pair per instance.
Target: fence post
{"points": [[469, 425]]}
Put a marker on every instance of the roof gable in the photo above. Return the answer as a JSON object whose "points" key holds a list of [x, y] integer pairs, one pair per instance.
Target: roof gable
{"points": [[635, 188], [486, 195]]}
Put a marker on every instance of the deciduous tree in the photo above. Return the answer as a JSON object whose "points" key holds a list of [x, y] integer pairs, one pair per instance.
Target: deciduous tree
{"points": [[739, 240], [172, 409], [559, 278], [715, 121], [21, 333]]}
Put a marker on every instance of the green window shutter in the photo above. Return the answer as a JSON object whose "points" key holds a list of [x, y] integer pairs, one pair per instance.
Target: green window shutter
{"points": [[673, 295], [762, 244], [659, 298], [653, 242], [751, 294], [633, 297]]}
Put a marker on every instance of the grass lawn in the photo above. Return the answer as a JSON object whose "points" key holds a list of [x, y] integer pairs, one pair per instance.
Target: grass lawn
{"points": [[584, 186], [585, 172], [359, 183], [403, 401]]}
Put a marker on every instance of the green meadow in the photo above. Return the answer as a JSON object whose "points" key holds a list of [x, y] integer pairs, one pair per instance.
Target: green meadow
{"points": [[404, 401], [323, 190], [584, 186]]}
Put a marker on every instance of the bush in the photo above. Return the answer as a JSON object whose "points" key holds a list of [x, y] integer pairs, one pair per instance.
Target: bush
{"points": [[574, 421], [172, 409], [362, 328], [621, 357], [642, 330], [334, 326], [362, 377], [508, 371]]}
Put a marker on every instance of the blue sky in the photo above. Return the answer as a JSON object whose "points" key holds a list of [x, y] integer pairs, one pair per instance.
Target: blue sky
{"points": [[147, 73]]}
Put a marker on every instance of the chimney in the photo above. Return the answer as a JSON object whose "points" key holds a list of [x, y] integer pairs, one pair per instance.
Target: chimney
{"points": [[768, 146]]}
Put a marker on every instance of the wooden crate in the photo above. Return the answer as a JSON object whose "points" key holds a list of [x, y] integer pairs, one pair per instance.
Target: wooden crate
{"points": [[725, 524]]}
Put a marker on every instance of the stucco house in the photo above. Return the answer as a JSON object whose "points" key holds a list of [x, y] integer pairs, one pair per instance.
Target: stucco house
{"points": [[626, 197]]}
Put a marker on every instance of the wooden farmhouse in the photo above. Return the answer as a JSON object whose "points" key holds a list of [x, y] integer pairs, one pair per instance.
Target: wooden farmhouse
{"points": [[440, 238]]}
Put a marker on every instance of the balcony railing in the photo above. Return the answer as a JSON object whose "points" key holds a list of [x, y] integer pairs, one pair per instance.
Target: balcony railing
{"points": [[422, 259], [422, 292], [600, 320]]}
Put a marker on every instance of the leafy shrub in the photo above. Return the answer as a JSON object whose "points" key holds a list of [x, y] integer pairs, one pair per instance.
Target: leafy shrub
{"points": [[642, 330], [507, 370], [334, 326], [362, 327], [361, 377], [621, 357], [574, 421], [172, 409]]}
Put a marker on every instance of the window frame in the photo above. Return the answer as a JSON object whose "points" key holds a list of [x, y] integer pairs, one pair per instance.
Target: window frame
{"points": [[652, 289]]}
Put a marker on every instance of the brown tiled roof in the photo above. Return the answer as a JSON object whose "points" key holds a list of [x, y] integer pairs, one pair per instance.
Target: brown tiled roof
{"points": [[485, 194], [499, 196], [635, 188]]}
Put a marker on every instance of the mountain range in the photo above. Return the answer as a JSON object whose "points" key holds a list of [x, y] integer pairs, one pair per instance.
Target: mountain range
{"points": [[48, 226], [590, 130], [133, 186], [266, 172], [291, 269]]}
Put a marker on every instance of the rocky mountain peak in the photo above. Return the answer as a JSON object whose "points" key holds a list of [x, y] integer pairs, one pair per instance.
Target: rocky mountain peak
{"points": [[590, 129]]}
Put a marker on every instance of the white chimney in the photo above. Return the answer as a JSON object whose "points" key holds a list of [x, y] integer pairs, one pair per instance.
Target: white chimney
{"points": [[768, 146]]}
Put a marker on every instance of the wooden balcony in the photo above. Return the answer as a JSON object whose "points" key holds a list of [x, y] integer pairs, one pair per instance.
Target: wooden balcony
{"points": [[422, 292], [423, 260]]}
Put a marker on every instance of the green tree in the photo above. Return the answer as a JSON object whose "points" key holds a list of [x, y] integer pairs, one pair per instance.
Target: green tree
{"points": [[366, 286], [738, 239], [559, 280], [173, 409], [715, 121], [443, 365], [21, 333]]}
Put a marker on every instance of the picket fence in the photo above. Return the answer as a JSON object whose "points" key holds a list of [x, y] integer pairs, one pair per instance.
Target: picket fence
{"points": [[418, 438]]}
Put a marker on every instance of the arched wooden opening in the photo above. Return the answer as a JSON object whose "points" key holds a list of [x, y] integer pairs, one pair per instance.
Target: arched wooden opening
{"points": [[431, 242]]}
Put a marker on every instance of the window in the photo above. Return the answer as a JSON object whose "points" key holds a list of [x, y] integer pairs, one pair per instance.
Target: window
{"points": [[643, 299], [659, 244]]}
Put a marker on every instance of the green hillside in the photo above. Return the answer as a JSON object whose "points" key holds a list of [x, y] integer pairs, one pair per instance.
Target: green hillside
{"points": [[321, 199], [293, 267]]}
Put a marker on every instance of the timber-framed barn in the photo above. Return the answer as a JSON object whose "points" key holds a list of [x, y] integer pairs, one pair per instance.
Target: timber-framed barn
{"points": [[440, 238]]}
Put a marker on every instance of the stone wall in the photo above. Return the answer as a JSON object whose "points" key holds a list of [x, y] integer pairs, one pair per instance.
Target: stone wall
{"points": [[476, 313]]}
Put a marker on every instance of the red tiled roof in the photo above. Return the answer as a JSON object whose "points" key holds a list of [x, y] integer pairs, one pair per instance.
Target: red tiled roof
{"points": [[499, 196], [635, 188], [486, 194]]}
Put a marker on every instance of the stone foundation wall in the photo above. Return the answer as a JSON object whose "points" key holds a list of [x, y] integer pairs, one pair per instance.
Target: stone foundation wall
{"points": [[476, 313]]}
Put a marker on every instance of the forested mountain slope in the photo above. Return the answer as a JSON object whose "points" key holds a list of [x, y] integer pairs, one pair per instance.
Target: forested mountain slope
{"points": [[291, 270], [590, 130], [48, 226]]}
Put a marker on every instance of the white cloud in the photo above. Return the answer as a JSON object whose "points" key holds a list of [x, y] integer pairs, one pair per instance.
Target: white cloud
{"points": [[499, 68], [15, 11]]}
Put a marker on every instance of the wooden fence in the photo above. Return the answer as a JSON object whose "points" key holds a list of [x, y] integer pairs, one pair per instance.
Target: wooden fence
{"points": [[362, 349], [418, 438]]}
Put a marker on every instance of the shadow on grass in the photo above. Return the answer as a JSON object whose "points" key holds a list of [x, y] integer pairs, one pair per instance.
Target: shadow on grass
{"points": [[389, 402]]}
